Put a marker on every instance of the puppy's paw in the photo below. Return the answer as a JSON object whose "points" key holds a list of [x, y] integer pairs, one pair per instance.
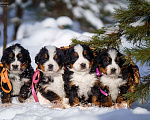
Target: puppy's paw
{"points": [[6, 104]]}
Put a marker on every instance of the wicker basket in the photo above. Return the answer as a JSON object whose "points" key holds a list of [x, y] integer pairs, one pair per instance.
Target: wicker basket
{"points": [[133, 76]]}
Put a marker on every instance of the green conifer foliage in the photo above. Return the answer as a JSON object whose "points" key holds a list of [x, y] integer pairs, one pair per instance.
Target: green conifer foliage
{"points": [[132, 23]]}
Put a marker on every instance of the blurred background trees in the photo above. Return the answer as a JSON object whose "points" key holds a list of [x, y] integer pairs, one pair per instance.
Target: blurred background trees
{"points": [[88, 15]]}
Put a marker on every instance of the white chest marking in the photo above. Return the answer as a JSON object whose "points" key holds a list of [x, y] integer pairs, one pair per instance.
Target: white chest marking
{"points": [[113, 84], [85, 82], [57, 86], [16, 83]]}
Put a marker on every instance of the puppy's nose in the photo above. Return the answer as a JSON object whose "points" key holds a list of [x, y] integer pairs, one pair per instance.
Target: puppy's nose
{"points": [[83, 65], [113, 70], [15, 67], [50, 66]]}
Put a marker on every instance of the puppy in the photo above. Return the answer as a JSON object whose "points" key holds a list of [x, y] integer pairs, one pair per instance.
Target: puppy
{"points": [[50, 62], [81, 83], [17, 61], [114, 76]]}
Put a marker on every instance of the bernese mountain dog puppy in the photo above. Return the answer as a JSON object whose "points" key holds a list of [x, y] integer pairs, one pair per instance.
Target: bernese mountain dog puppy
{"points": [[114, 77], [81, 83], [50, 61], [17, 61]]}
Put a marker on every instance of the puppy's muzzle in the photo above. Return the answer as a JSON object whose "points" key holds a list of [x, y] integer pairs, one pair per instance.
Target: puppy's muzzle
{"points": [[113, 70], [83, 65], [15, 67], [50, 67]]}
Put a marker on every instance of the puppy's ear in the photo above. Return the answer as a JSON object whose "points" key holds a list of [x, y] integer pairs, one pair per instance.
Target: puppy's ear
{"points": [[37, 58], [60, 53], [67, 54], [3, 58], [5, 55], [121, 59], [28, 56], [39, 55], [93, 67]]}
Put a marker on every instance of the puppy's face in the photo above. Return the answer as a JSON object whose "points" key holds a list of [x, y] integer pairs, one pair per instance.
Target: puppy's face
{"points": [[16, 58], [80, 58], [110, 62], [50, 59]]}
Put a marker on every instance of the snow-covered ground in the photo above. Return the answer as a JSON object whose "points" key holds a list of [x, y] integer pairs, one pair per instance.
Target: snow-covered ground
{"points": [[34, 37]]}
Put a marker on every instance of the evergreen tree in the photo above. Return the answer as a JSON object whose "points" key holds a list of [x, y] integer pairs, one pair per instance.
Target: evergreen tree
{"points": [[133, 24]]}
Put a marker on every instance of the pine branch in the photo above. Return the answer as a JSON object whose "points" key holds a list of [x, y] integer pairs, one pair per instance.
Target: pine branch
{"points": [[141, 92], [140, 54], [138, 11], [104, 38]]}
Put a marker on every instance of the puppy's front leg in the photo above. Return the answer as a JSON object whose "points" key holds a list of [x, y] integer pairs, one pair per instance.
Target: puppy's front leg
{"points": [[50, 95], [73, 96], [6, 97], [25, 92]]}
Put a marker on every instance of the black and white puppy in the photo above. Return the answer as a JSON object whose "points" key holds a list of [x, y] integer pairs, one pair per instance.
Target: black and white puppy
{"points": [[17, 61], [114, 76], [81, 85], [50, 61]]}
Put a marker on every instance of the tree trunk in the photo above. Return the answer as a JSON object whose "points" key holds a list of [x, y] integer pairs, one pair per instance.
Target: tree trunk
{"points": [[5, 25]]}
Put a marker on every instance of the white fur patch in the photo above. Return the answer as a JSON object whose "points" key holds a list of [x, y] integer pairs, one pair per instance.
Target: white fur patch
{"points": [[77, 65], [85, 81], [113, 84], [52, 53], [57, 86], [113, 55], [16, 83], [16, 62]]}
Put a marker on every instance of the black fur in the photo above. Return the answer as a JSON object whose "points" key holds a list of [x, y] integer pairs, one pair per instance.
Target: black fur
{"points": [[27, 73], [70, 58], [23, 59], [72, 90], [40, 59], [49, 79], [50, 95], [102, 61]]}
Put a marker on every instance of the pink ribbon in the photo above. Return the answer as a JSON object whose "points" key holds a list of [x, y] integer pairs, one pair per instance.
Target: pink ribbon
{"points": [[35, 81], [104, 93], [99, 74]]}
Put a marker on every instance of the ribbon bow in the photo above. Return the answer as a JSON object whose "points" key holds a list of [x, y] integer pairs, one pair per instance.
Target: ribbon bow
{"points": [[5, 79], [99, 74], [34, 80]]}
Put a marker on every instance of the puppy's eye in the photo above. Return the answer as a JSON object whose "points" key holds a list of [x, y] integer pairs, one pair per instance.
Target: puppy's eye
{"points": [[108, 59], [76, 54], [117, 59], [106, 62], [20, 55], [55, 57], [46, 56], [84, 52], [11, 55]]}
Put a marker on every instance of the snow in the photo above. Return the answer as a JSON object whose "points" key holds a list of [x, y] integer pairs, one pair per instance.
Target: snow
{"points": [[77, 12], [49, 22], [34, 111], [64, 21], [89, 16], [33, 37], [139, 110], [95, 21], [111, 7], [140, 22]]}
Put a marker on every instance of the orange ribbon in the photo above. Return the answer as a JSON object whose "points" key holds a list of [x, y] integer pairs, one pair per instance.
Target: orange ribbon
{"points": [[5, 79]]}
